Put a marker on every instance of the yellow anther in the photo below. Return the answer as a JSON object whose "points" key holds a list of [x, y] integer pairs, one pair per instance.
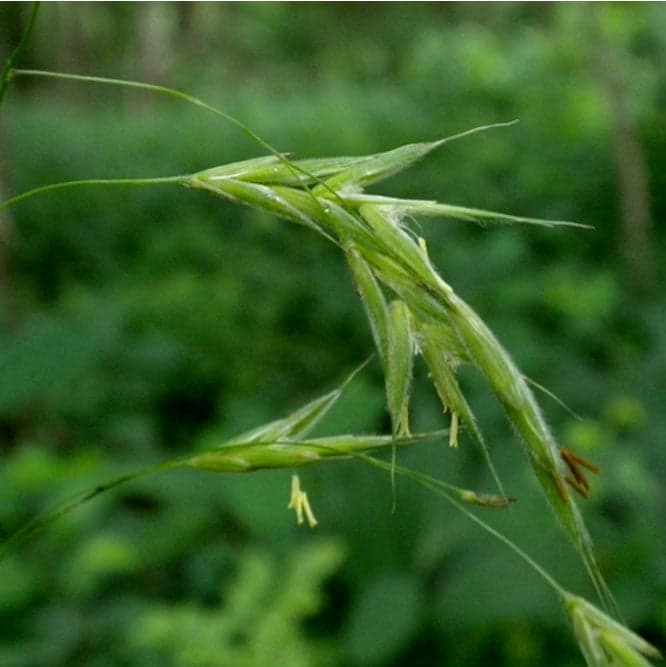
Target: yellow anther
{"points": [[453, 431], [300, 504]]}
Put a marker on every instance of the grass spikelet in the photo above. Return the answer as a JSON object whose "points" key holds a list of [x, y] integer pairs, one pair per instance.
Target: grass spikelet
{"points": [[396, 243], [300, 422], [285, 453], [603, 641], [243, 170], [442, 373], [255, 195], [399, 365], [398, 373], [310, 171], [440, 363], [443, 337], [424, 303], [420, 207], [349, 228], [377, 167], [372, 299], [487, 353]]}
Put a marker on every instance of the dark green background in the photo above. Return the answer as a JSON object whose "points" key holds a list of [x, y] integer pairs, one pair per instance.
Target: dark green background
{"points": [[139, 324]]}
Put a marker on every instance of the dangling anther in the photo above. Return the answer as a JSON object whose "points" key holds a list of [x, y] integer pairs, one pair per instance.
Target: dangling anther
{"points": [[578, 481]]}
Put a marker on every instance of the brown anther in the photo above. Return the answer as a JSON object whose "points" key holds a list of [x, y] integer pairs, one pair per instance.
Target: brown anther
{"points": [[578, 481], [578, 486], [578, 476], [568, 455]]}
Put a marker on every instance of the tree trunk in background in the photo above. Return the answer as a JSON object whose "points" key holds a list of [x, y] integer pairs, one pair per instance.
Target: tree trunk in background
{"points": [[73, 48], [636, 237], [154, 30], [634, 188], [188, 27], [6, 225]]}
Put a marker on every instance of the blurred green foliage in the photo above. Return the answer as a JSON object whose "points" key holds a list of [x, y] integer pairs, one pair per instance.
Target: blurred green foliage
{"points": [[142, 323], [258, 624]]}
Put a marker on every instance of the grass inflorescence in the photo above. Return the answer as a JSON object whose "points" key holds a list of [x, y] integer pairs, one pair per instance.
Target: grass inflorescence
{"points": [[412, 311]]}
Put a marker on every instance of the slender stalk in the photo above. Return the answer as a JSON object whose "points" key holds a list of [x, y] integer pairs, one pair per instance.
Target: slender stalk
{"points": [[154, 88], [448, 491], [50, 516], [177, 94], [91, 181], [435, 485]]}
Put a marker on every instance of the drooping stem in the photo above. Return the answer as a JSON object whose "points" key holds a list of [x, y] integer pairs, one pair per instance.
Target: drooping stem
{"points": [[50, 516], [152, 87], [177, 94], [448, 492], [91, 181]]}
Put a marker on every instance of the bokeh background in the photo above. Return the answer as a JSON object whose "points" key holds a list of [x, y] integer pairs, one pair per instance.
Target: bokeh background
{"points": [[142, 323]]}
